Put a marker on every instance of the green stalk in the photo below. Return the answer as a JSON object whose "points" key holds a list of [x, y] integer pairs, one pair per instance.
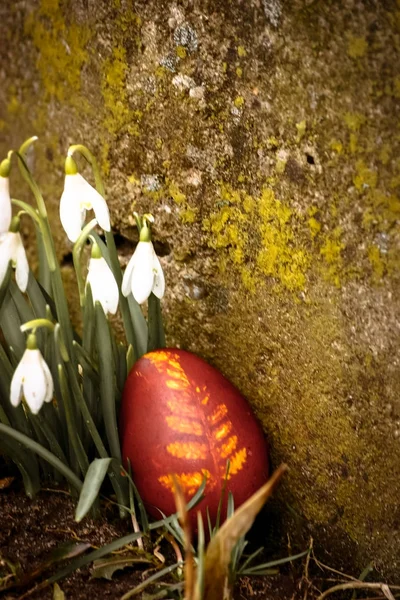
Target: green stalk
{"points": [[73, 435], [30, 476], [114, 473], [76, 254], [156, 337], [10, 323], [55, 272], [107, 380], [43, 453], [47, 471]]}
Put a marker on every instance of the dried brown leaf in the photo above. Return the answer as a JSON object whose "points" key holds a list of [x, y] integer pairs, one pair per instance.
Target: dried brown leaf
{"points": [[218, 555]]}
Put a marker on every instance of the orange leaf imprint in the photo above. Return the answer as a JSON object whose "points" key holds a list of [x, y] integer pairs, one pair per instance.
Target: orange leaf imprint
{"points": [[214, 431]]}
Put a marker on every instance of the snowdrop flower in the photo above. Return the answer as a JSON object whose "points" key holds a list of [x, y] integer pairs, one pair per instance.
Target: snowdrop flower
{"points": [[143, 274], [5, 199], [32, 378], [78, 197], [103, 285], [12, 249]]}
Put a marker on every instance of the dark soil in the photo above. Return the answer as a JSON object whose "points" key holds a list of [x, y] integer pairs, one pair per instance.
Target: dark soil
{"points": [[31, 530]]}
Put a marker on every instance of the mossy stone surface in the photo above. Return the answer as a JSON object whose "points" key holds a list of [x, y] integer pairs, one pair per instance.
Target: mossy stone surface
{"points": [[264, 137]]}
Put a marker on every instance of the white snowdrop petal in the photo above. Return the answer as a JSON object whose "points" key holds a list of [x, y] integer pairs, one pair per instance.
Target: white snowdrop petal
{"points": [[32, 380], [22, 266], [90, 198], [101, 211], [5, 205], [49, 380], [16, 385], [126, 286], [103, 285], [5, 254], [142, 283], [71, 214], [35, 382], [159, 280], [143, 275]]}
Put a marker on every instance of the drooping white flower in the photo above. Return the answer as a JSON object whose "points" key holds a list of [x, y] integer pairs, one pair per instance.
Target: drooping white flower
{"points": [[32, 379], [12, 249], [5, 203], [143, 274], [78, 197], [102, 282]]}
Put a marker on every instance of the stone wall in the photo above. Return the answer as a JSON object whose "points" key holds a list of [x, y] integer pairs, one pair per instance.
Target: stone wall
{"points": [[264, 137]]}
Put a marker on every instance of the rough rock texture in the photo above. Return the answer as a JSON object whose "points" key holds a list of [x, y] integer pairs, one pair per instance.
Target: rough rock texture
{"points": [[264, 137]]}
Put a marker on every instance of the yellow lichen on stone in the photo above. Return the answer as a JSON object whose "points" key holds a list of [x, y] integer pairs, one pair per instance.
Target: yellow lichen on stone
{"points": [[181, 52], [176, 194], [354, 120], [365, 177], [265, 222], [188, 215], [383, 210], [61, 51], [337, 146], [357, 47], [113, 90], [301, 129], [376, 261], [279, 256], [239, 101], [332, 259]]}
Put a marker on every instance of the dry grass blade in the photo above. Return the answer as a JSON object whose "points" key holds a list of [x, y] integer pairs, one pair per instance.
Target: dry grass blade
{"points": [[360, 585], [185, 524], [219, 551]]}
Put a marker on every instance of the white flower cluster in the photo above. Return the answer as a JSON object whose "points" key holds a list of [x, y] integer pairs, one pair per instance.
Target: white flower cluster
{"points": [[32, 379]]}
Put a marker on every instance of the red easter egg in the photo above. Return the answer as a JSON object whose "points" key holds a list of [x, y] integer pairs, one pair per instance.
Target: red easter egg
{"points": [[181, 416]]}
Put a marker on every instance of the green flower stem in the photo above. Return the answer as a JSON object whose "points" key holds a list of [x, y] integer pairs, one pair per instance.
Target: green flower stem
{"points": [[29, 472], [112, 250], [28, 209], [26, 174], [156, 337], [43, 453], [36, 323], [114, 473], [73, 436], [46, 469], [123, 302], [107, 380], [55, 272], [85, 152], [76, 254], [50, 437]]}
